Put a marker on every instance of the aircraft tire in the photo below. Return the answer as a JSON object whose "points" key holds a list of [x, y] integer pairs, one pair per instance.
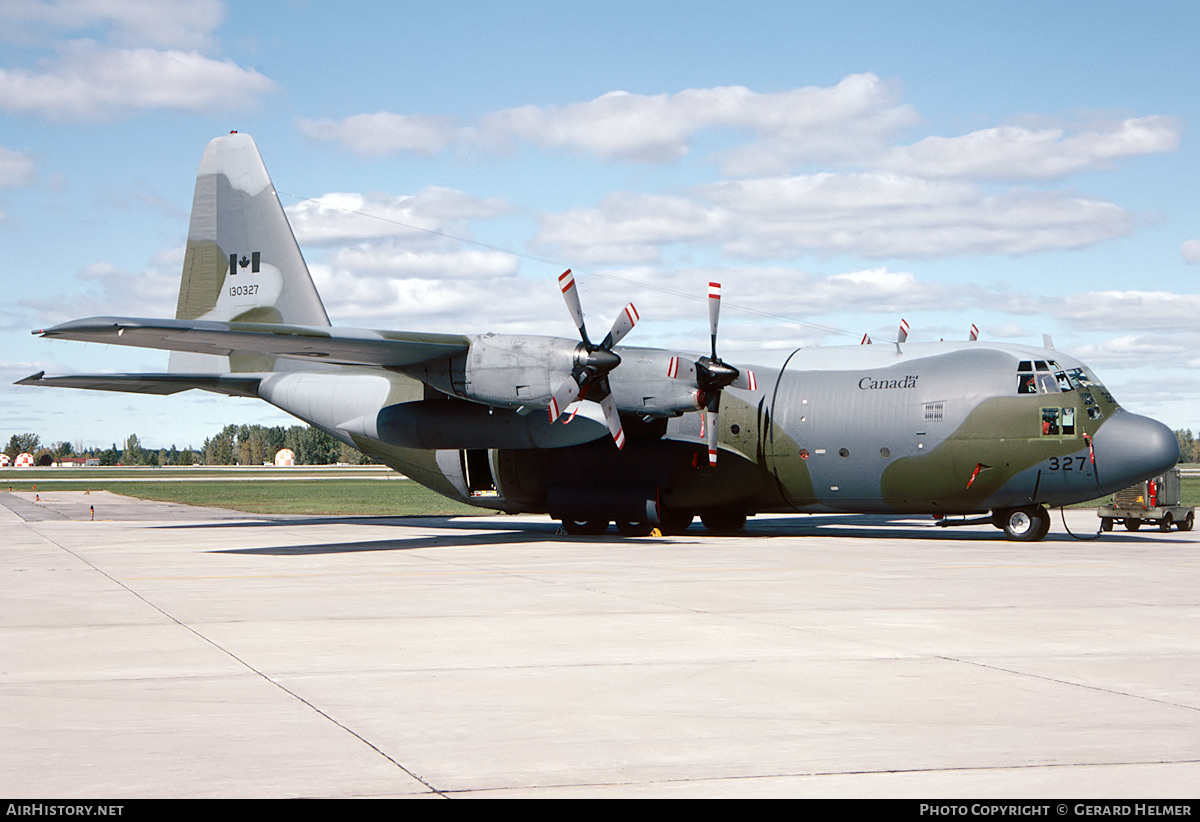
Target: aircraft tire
{"points": [[635, 529], [585, 527], [675, 522], [1028, 524], [723, 522]]}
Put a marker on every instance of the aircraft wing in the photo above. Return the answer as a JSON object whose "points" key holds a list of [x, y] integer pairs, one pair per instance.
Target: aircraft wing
{"points": [[343, 346], [230, 384]]}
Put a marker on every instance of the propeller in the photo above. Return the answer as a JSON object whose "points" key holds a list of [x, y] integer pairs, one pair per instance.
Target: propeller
{"points": [[714, 374], [589, 376]]}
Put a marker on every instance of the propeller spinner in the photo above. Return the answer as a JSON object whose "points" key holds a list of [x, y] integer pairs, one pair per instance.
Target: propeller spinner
{"points": [[589, 377]]}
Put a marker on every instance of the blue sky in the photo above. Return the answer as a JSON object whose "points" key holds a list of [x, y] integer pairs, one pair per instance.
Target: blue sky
{"points": [[1027, 167]]}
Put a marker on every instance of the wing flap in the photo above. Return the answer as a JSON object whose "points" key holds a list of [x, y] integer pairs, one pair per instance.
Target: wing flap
{"points": [[343, 346], [163, 384]]}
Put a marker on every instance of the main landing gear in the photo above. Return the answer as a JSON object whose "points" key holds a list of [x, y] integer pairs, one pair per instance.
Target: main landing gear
{"points": [[723, 522]]}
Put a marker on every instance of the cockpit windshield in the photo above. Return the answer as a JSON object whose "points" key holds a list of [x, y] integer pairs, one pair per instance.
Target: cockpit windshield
{"points": [[1047, 377]]}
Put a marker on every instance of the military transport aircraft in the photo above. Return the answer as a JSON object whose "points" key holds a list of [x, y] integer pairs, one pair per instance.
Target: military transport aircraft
{"points": [[593, 433]]}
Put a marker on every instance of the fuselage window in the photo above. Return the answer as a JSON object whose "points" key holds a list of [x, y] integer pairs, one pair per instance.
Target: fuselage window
{"points": [[1050, 424], [1058, 421], [1068, 420], [1064, 384], [1025, 384]]}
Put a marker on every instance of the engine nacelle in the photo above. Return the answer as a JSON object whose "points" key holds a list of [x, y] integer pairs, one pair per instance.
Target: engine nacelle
{"points": [[522, 372], [453, 424]]}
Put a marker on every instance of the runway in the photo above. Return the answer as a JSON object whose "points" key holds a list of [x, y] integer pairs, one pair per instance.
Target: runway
{"points": [[168, 651]]}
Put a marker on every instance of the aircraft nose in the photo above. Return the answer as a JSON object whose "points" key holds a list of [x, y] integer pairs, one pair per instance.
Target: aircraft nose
{"points": [[1130, 448]]}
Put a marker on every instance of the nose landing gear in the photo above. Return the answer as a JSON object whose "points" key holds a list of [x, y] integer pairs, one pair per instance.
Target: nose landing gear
{"points": [[1029, 523]]}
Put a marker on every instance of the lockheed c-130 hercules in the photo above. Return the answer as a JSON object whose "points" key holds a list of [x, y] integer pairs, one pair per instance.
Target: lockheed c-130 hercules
{"points": [[593, 433]]}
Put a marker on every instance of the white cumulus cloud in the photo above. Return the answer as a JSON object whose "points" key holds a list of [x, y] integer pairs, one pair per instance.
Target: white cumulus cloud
{"points": [[89, 81], [16, 168], [1013, 152]]}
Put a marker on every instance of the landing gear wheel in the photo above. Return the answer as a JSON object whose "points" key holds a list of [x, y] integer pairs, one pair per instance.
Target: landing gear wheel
{"points": [[1187, 522], [723, 522], [675, 522], [1132, 524], [585, 527], [635, 529], [1028, 524]]}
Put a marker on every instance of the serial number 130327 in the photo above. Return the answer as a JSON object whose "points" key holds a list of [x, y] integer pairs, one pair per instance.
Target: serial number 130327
{"points": [[243, 290]]}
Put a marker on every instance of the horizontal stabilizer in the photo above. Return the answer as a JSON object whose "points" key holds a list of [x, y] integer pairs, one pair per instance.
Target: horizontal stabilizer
{"points": [[343, 346], [234, 386]]}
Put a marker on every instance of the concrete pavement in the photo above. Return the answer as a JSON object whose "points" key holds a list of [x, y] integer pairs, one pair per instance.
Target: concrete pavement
{"points": [[168, 651]]}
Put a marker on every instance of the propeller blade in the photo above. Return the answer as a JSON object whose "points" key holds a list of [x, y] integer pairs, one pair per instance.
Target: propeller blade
{"points": [[564, 396], [622, 325], [711, 433], [714, 313], [902, 335], [974, 332], [566, 282], [745, 380], [609, 406]]}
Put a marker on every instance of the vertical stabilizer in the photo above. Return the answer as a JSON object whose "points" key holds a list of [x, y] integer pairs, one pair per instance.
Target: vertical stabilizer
{"points": [[242, 261]]}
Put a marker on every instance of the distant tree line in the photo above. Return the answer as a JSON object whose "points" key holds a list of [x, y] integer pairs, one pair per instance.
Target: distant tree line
{"points": [[1189, 447], [233, 445]]}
